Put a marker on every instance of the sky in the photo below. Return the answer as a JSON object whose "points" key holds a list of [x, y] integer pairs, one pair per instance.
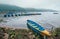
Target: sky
{"points": [[45, 4]]}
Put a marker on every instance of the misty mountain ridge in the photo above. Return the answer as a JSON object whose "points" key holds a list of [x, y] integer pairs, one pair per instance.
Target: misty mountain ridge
{"points": [[5, 7]]}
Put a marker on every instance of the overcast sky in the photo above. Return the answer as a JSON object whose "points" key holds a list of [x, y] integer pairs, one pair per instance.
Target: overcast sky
{"points": [[45, 4]]}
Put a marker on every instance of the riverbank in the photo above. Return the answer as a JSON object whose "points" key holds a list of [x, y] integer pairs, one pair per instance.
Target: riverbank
{"points": [[12, 33]]}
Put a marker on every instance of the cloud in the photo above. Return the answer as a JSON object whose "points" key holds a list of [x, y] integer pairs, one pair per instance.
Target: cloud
{"points": [[48, 4]]}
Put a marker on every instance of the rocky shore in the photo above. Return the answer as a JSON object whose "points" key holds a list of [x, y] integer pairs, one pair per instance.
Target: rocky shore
{"points": [[11, 33]]}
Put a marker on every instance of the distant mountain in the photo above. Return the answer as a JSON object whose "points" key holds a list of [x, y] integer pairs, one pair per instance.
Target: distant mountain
{"points": [[39, 10], [4, 7]]}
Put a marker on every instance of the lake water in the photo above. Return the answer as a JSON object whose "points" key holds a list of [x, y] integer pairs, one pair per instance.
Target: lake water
{"points": [[47, 20]]}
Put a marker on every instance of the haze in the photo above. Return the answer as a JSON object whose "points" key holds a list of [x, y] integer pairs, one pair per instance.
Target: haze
{"points": [[45, 4]]}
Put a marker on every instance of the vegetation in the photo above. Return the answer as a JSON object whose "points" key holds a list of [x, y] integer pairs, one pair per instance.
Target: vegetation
{"points": [[24, 33], [57, 31]]}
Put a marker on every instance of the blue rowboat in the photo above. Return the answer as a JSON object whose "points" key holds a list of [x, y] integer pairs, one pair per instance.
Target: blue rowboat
{"points": [[37, 28]]}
